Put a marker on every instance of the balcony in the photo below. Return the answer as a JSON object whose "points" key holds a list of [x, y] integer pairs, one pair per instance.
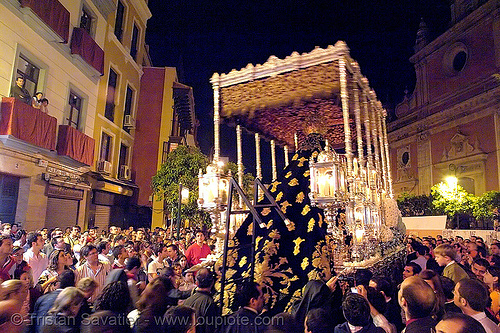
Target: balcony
{"points": [[23, 122], [83, 45], [53, 14], [76, 145]]}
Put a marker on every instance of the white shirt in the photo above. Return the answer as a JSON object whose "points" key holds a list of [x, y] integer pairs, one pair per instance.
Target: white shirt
{"points": [[37, 263], [487, 323]]}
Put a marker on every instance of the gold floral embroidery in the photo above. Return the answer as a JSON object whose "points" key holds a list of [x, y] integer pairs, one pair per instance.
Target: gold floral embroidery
{"points": [[310, 225], [301, 161], [297, 242], [265, 211], [274, 186], [284, 206], [306, 173], [306, 210], [243, 261], [305, 263], [288, 174], [295, 157], [293, 182], [300, 197], [290, 226], [279, 196]]}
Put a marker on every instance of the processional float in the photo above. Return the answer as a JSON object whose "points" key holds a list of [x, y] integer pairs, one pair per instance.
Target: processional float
{"points": [[350, 179]]}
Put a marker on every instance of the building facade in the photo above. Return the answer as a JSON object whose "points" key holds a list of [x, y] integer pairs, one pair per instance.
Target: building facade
{"points": [[450, 125], [86, 56], [165, 120]]}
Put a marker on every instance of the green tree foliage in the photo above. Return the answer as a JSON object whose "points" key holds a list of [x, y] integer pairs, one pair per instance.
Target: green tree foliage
{"points": [[248, 178], [181, 166], [452, 200], [415, 205], [486, 206]]}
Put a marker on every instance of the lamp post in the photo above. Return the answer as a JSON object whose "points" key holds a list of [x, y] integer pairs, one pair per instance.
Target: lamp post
{"points": [[183, 198]]}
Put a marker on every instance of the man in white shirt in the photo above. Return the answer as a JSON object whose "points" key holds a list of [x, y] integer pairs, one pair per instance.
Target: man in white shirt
{"points": [[157, 264], [471, 296], [34, 257]]}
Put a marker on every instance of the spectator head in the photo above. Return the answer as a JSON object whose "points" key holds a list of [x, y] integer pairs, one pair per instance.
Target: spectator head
{"points": [[158, 248], [492, 277], [66, 279], [103, 247], [317, 321], [250, 294], [416, 297], [471, 294], [454, 322], [495, 249], [283, 322], [89, 252], [172, 251], [115, 297], [87, 286], [20, 81], [68, 302], [376, 299], [383, 285], [362, 277], [356, 310], [6, 229], [204, 278], [5, 245], [200, 236], [479, 266], [132, 263], [448, 287], [444, 254], [119, 252], [411, 269], [180, 319], [13, 289]]}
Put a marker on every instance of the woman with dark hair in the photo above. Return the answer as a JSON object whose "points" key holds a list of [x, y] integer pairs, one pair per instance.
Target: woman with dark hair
{"points": [[432, 278], [23, 273], [110, 311], [491, 278], [179, 319], [152, 305], [59, 261]]}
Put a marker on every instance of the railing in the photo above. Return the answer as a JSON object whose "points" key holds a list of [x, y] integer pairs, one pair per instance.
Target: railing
{"points": [[76, 145], [28, 124], [84, 45], [53, 13]]}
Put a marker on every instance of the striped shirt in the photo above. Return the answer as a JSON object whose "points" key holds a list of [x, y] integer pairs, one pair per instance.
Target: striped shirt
{"points": [[99, 276]]}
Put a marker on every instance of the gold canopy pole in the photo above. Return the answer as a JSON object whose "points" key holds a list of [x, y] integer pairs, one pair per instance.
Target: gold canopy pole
{"points": [[273, 159], [386, 145], [215, 86], [257, 156], [285, 151], [296, 141], [345, 112], [373, 117]]}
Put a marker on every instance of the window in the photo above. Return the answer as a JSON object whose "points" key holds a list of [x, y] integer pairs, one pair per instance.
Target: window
{"points": [[135, 41], [75, 110], [109, 112], [86, 20], [123, 155], [120, 14], [29, 72], [106, 144], [129, 99]]}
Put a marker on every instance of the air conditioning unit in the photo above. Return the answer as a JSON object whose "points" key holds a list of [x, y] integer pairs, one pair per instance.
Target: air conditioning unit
{"points": [[129, 121], [125, 172], [104, 167]]}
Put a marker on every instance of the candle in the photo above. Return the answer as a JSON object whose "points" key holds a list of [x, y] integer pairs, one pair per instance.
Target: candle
{"points": [[323, 185]]}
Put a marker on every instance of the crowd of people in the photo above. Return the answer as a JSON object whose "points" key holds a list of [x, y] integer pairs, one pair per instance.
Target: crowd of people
{"points": [[141, 280]]}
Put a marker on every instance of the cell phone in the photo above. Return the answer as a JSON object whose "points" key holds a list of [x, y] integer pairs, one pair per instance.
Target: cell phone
{"points": [[354, 290]]}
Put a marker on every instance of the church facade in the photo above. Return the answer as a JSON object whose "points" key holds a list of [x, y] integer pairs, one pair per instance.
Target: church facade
{"points": [[450, 124]]}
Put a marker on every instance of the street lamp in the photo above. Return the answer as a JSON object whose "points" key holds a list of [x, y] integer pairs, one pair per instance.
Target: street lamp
{"points": [[183, 199]]}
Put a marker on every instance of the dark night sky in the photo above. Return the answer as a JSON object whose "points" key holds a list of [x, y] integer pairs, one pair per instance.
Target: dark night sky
{"points": [[204, 37]]}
